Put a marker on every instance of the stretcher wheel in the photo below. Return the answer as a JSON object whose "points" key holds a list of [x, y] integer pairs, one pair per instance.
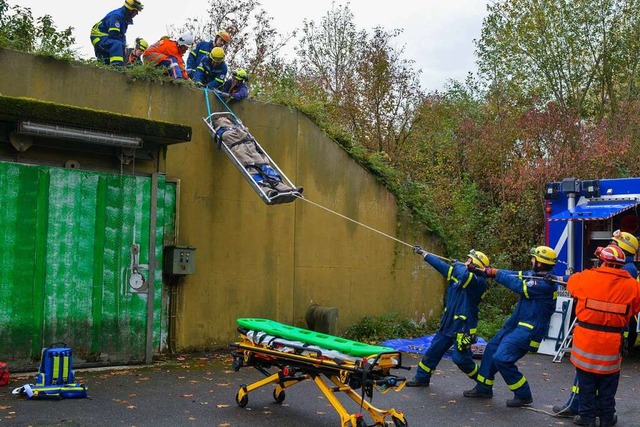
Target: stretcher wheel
{"points": [[242, 402], [397, 422], [279, 398], [237, 364]]}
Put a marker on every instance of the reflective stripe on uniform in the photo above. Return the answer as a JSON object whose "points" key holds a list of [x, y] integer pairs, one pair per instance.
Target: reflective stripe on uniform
{"points": [[607, 307], [425, 367], [473, 331], [534, 344], [460, 316], [603, 369], [593, 356], [526, 325], [116, 59], [525, 289], [464, 285], [474, 372], [518, 384], [483, 380]]}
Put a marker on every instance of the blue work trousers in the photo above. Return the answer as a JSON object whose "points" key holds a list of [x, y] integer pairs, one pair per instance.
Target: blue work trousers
{"points": [[110, 51], [439, 346], [598, 396], [500, 355]]}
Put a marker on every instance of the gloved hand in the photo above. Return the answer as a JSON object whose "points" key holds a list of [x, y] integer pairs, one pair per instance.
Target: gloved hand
{"points": [[490, 272], [473, 268], [550, 277], [418, 249], [464, 341]]}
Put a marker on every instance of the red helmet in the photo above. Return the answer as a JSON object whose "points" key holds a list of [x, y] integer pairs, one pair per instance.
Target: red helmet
{"points": [[612, 254]]}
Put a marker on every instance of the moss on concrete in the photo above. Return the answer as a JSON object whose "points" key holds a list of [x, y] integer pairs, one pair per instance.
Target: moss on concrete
{"points": [[27, 108]]}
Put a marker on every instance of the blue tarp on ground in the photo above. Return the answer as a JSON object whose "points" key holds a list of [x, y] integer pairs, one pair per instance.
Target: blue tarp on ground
{"points": [[421, 344]]}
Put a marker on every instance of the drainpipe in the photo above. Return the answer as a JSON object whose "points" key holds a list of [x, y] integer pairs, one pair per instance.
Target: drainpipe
{"points": [[152, 267]]}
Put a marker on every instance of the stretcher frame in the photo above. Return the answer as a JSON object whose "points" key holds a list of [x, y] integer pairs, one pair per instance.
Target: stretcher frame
{"points": [[281, 197], [343, 375]]}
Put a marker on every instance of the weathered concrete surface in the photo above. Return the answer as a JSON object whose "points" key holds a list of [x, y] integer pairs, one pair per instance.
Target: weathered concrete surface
{"points": [[255, 260]]}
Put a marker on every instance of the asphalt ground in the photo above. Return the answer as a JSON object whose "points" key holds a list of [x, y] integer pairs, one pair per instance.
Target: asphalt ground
{"points": [[199, 390]]}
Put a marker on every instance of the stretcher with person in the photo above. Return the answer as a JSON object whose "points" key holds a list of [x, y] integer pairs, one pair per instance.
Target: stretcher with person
{"points": [[334, 364], [253, 162]]}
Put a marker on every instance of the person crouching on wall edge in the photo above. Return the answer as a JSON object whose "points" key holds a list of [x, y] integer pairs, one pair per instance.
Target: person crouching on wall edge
{"points": [[109, 35], [607, 297], [523, 330], [460, 316]]}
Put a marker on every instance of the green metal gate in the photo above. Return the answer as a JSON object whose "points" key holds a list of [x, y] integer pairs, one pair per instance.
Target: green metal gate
{"points": [[68, 244]]}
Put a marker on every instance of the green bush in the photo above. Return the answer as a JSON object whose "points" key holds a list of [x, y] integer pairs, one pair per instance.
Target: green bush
{"points": [[373, 329]]}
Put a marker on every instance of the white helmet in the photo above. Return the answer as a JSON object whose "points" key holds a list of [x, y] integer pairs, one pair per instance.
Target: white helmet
{"points": [[185, 39]]}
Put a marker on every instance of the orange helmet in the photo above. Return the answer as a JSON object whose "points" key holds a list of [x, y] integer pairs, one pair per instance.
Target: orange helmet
{"points": [[224, 36]]}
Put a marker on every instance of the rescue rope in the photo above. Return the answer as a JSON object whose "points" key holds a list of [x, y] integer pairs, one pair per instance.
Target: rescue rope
{"points": [[365, 226]]}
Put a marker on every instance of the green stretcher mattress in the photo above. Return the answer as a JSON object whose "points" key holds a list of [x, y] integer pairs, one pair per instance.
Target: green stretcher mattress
{"points": [[330, 342]]}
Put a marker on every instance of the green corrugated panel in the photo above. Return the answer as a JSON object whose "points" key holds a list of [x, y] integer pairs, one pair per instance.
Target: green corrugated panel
{"points": [[68, 298], [19, 189], [67, 238]]}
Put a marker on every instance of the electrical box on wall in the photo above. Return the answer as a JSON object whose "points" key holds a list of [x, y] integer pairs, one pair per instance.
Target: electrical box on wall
{"points": [[179, 260]]}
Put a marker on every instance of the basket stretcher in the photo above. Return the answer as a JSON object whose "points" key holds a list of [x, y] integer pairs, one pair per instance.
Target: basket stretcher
{"points": [[331, 370], [281, 197]]}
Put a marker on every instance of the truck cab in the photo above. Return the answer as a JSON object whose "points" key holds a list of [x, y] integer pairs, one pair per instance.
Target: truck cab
{"points": [[581, 215]]}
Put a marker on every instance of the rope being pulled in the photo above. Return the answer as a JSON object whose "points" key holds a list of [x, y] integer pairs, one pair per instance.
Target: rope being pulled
{"points": [[364, 225]]}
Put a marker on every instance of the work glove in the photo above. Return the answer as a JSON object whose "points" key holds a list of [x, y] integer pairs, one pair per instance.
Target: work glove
{"points": [[473, 268], [490, 272], [464, 341], [418, 249]]}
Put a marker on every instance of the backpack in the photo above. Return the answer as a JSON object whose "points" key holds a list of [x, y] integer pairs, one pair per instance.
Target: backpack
{"points": [[55, 366], [4, 374]]}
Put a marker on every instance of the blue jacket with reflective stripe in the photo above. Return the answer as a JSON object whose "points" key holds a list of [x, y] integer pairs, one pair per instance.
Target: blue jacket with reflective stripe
{"points": [[198, 53], [210, 75], [114, 25], [537, 301], [463, 295]]}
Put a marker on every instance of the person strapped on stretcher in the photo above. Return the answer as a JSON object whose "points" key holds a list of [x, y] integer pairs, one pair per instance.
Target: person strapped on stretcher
{"points": [[246, 150]]}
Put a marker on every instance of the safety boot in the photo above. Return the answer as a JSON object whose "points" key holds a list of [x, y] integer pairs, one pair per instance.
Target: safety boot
{"points": [[580, 421], [564, 411], [417, 383], [474, 392], [518, 402]]}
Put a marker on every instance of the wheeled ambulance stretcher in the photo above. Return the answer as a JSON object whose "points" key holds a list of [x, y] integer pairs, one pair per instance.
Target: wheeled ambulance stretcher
{"points": [[298, 354]]}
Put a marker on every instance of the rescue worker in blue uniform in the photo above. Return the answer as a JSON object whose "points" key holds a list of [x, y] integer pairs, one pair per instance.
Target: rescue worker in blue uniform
{"points": [[203, 49], [629, 245], [108, 36], [524, 329], [212, 71], [235, 88], [459, 321]]}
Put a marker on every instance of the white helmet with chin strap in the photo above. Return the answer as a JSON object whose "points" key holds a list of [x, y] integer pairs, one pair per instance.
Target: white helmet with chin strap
{"points": [[185, 39]]}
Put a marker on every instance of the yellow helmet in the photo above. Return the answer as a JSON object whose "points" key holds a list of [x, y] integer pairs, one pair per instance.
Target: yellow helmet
{"points": [[627, 241], [479, 258], [217, 54], [544, 255], [141, 44], [133, 5]]}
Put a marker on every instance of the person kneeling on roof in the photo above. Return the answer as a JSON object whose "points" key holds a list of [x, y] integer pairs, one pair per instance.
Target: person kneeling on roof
{"points": [[235, 87], [168, 53], [247, 152]]}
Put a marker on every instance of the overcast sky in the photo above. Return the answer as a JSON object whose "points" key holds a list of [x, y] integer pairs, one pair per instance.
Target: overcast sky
{"points": [[438, 34]]}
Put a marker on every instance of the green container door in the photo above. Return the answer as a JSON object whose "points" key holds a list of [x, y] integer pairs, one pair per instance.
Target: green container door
{"points": [[70, 240]]}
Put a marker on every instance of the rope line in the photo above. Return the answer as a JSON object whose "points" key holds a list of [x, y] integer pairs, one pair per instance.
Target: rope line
{"points": [[364, 225]]}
